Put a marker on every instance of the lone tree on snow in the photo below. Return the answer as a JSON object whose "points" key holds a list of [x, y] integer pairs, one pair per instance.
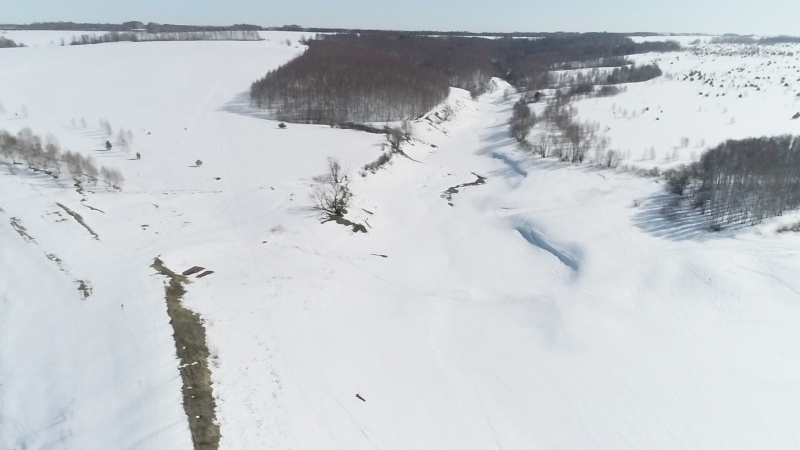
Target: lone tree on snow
{"points": [[332, 194]]}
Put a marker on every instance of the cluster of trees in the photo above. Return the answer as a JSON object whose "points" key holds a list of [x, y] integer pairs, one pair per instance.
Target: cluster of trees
{"points": [[743, 181], [335, 83], [45, 155], [8, 43], [614, 61], [377, 76], [227, 35], [522, 120], [633, 74], [623, 74], [573, 139]]}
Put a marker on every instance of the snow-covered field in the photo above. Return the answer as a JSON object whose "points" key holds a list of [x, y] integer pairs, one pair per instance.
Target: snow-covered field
{"points": [[708, 95], [541, 310]]}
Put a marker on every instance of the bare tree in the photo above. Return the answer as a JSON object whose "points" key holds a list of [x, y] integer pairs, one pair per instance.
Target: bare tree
{"points": [[447, 113], [544, 144], [396, 137], [122, 140], [332, 195], [106, 127], [522, 120], [408, 129]]}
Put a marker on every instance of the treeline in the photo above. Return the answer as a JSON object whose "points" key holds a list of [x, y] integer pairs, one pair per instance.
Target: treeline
{"points": [[737, 39], [625, 74], [151, 27], [334, 83], [171, 36], [633, 74], [8, 43], [46, 156], [614, 61], [386, 76], [526, 61], [515, 34], [743, 181]]}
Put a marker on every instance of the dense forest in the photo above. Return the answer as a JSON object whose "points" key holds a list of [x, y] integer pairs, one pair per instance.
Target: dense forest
{"points": [[751, 179], [333, 83], [743, 181], [387, 76]]}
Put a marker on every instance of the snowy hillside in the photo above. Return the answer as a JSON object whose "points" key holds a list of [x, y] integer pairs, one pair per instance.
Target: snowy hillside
{"points": [[707, 95], [554, 306]]}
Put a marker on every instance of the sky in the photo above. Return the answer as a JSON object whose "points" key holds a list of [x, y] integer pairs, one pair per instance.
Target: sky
{"points": [[761, 17]]}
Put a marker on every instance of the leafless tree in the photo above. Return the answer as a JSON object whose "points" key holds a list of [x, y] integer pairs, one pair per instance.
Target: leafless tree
{"points": [[447, 113], [106, 127], [543, 144], [396, 138], [408, 129], [332, 193]]}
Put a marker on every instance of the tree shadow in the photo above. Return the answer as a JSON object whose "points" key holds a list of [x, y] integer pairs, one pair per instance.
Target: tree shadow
{"points": [[241, 105], [672, 217]]}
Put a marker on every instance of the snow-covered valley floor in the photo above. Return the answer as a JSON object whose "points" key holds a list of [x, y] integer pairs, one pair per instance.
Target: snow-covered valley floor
{"points": [[543, 309]]}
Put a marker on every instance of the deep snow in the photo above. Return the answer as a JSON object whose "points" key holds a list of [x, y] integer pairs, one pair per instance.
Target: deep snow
{"points": [[541, 310]]}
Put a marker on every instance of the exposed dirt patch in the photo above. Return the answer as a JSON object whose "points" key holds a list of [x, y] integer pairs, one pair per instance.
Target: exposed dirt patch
{"points": [[449, 193], [79, 219], [16, 224], [190, 344], [357, 227]]}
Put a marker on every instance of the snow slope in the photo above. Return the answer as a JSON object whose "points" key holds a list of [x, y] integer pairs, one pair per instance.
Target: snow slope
{"points": [[540, 310]]}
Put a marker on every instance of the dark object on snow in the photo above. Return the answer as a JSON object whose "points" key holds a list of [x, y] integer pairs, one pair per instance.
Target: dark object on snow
{"points": [[108, 145], [282, 125], [138, 155], [796, 116], [358, 396], [193, 270]]}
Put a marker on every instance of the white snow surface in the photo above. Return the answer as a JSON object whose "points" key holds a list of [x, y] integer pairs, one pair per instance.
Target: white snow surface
{"points": [[540, 310]]}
